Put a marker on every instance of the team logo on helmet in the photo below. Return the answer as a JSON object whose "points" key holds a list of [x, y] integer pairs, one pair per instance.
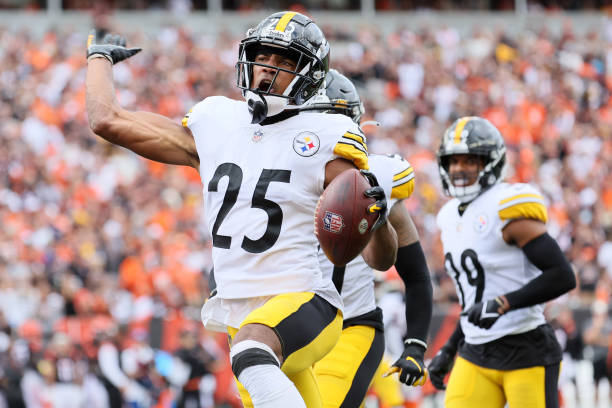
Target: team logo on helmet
{"points": [[271, 31], [306, 144]]}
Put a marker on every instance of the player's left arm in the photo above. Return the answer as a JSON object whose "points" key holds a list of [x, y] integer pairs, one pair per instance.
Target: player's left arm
{"points": [[351, 152], [542, 250], [412, 268], [381, 250]]}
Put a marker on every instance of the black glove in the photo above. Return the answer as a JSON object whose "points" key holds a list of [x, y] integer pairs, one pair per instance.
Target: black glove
{"points": [[485, 314], [439, 366], [112, 47], [376, 192], [410, 365]]}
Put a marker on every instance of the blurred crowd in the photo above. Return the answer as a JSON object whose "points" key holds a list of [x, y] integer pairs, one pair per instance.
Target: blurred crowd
{"points": [[104, 256]]}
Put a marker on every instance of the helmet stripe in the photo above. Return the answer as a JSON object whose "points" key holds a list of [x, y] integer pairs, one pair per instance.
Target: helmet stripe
{"points": [[284, 20], [459, 128]]}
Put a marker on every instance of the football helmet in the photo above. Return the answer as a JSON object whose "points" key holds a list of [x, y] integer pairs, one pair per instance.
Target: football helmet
{"points": [[291, 34], [477, 136], [340, 96]]}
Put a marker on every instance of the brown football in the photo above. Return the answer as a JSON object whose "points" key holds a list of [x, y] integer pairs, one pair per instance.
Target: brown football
{"points": [[342, 223]]}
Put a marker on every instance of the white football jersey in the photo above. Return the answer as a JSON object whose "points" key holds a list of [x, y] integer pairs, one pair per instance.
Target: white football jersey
{"points": [[396, 176], [481, 264], [261, 186]]}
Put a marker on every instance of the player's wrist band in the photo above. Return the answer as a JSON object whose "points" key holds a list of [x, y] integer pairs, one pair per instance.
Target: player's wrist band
{"points": [[97, 55], [504, 306], [415, 341]]}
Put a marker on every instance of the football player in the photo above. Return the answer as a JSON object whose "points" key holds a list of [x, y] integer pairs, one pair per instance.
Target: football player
{"points": [[504, 266], [263, 166], [345, 374]]}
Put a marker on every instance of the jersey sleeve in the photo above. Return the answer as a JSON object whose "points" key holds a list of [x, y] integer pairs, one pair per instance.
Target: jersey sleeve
{"points": [[403, 178], [352, 146], [198, 112], [520, 201], [394, 174]]}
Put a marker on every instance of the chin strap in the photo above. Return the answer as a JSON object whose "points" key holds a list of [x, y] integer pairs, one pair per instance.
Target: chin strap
{"points": [[263, 107], [258, 110]]}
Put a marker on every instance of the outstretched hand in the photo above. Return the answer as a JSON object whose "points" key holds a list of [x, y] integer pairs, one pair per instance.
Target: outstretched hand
{"points": [[112, 47]]}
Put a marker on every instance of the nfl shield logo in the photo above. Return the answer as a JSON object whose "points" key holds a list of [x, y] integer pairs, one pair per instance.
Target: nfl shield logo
{"points": [[257, 136], [333, 222]]}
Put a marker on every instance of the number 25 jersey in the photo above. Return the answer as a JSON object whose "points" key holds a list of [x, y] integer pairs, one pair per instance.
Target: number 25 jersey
{"points": [[481, 264], [261, 187]]}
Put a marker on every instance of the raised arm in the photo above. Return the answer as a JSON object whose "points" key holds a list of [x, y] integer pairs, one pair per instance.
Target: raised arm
{"points": [[150, 135]]}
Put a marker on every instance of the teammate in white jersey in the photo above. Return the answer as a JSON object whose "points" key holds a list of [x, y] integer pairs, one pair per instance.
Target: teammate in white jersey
{"points": [[263, 166], [505, 266], [345, 374]]}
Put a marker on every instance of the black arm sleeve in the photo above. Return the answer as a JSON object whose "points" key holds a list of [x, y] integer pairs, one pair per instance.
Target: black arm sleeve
{"points": [[455, 339], [557, 276], [412, 268]]}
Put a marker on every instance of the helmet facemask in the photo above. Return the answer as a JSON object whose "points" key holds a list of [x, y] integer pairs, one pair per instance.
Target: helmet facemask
{"points": [[487, 176], [478, 137], [295, 42]]}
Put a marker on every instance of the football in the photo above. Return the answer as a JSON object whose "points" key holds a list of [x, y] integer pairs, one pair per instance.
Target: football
{"points": [[342, 223]]}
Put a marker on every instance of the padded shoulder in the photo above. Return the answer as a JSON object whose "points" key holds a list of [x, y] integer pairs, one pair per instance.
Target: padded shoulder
{"points": [[207, 107], [516, 201]]}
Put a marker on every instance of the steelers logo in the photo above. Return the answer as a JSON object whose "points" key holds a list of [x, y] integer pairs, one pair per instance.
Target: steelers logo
{"points": [[306, 144], [480, 223]]}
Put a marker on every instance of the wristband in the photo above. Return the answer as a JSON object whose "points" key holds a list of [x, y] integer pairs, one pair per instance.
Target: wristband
{"points": [[97, 55], [415, 341]]}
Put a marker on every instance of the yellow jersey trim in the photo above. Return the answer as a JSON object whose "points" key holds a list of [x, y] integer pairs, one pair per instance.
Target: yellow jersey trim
{"points": [[356, 138], [531, 210], [403, 191], [351, 152], [519, 196], [186, 118], [403, 173]]}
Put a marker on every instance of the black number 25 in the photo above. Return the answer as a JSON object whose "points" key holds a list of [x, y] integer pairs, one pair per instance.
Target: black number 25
{"points": [[275, 213], [476, 279]]}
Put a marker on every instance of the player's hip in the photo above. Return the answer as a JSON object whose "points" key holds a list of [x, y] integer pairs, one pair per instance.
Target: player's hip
{"points": [[307, 325], [537, 347], [471, 385]]}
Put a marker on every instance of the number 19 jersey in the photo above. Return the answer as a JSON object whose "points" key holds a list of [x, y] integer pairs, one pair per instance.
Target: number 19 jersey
{"points": [[481, 264], [261, 186]]}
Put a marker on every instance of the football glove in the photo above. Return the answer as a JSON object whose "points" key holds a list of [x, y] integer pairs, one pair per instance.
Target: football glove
{"points": [[410, 365], [376, 192], [111, 47], [485, 314], [439, 366]]}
